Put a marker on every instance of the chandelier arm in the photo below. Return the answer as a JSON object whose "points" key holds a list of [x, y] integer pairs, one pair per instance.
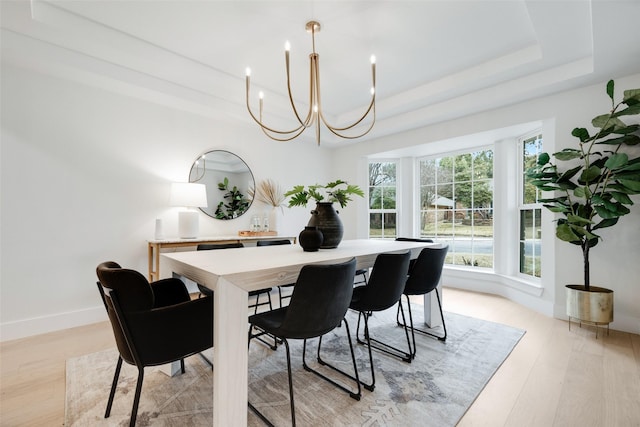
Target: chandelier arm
{"points": [[306, 121], [261, 124], [266, 132], [372, 106], [336, 131]]}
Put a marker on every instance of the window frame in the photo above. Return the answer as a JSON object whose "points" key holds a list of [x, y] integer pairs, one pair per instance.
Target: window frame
{"points": [[384, 211], [522, 206]]}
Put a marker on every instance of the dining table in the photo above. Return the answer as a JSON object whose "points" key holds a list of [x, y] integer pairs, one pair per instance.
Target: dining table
{"points": [[232, 274]]}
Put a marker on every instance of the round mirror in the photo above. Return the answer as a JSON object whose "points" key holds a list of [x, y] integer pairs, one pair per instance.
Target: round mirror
{"points": [[228, 180]]}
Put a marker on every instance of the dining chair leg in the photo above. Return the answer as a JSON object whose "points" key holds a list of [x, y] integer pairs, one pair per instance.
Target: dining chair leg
{"points": [[116, 375], [293, 409], [381, 346], [431, 334], [206, 360], [371, 386], [291, 399], [136, 399], [355, 377]]}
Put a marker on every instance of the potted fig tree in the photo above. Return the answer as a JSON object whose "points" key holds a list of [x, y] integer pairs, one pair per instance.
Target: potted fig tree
{"points": [[592, 184]]}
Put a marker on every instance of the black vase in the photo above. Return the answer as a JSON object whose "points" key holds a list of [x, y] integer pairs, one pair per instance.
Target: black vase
{"points": [[326, 218], [310, 239]]}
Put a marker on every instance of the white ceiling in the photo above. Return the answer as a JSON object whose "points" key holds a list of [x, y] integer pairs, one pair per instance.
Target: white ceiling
{"points": [[436, 60]]}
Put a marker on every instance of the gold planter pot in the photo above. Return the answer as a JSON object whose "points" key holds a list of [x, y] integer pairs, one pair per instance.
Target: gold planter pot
{"points": [[594, 306]]}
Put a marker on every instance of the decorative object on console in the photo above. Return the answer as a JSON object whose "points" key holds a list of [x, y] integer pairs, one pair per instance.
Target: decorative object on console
{"points": [[315, 114], [592, 193], [310, 239], [324, 216], [270, 193], [159, 234], [250, 233], [188, 195]]}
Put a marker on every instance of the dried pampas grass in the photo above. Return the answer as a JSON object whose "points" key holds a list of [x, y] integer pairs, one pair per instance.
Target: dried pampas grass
{"points": [[271, 193]]}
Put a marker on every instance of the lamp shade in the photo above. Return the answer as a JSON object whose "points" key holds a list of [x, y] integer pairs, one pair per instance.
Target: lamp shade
{"points": [[188, 194]]}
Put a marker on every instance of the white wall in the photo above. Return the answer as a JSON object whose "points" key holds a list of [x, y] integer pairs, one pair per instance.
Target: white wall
{"points": [[614, 262], [84, 175]]}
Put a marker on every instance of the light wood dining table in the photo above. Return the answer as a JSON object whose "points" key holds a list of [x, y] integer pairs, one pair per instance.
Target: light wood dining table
{"points": [[231, 274]]}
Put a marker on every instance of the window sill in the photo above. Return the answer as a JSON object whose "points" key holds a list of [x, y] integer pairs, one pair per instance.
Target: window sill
{"points": [[485, 279]]}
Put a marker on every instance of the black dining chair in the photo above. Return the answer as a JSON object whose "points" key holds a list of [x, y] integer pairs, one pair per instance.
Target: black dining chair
{"points": [[153, 323], [383, 291], [413, 239], [360, 276], [208, 292], [282, 295], [319, 303], [257, 293], [423, 278]]}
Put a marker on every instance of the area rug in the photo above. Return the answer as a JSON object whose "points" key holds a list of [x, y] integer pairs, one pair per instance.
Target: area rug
{"points": [[435, 389]]}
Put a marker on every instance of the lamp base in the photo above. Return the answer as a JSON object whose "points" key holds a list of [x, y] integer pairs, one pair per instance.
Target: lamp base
{"points": [[188, 226]]}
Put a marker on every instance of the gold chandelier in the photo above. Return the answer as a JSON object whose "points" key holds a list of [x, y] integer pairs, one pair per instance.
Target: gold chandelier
{"points": [[315, 115]]}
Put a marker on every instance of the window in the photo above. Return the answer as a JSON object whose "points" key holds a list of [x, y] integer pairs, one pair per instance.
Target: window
{"points": [[456, 205], [382, 200], [530, 209]]}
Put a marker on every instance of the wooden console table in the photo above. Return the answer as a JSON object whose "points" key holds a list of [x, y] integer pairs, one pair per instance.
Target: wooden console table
{"points": [[155, 246]]}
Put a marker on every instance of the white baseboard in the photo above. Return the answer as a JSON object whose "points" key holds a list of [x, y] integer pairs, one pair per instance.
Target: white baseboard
{"points": [[42, 325], [514, 290]]}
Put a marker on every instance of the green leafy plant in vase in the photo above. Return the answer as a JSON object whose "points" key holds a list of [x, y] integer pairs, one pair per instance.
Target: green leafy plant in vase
{"points": [[324, 216]]}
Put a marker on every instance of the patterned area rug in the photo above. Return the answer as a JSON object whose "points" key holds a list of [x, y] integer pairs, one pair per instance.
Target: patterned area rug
{"points": [[434, 390]]}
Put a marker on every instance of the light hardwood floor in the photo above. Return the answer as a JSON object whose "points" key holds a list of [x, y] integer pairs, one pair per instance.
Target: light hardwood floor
{"points": [[554, 377]]}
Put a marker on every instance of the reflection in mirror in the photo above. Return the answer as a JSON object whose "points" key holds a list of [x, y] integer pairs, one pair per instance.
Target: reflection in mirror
{"points": [[228, 180]]}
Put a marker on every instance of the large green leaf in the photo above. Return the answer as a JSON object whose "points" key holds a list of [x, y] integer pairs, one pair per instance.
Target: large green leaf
{"points": [[632, 166], [621, 197], [610, 88], [590, 174], [609, 222], [581, 231], [608, 214], [568, 154], [556, 201], [578, 220], [582, 192], [613, 207], [603, 121], [565, 233], [543, 159], [604, 212], [567, 185], [617, 161], [625, 139], [630, 184], [570, 174], [631, 96], [581, 133], [557, 209], [630, 110]]}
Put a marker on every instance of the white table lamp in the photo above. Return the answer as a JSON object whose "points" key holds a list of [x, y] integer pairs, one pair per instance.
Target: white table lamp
{"points": [[190, 196]]}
